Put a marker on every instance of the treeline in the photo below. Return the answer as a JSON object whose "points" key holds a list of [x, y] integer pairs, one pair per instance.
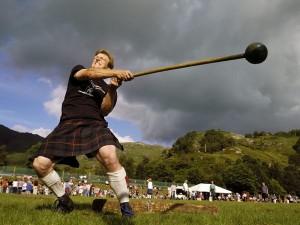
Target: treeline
{"points": [[3, 155], [291, 133], [194, 157]]}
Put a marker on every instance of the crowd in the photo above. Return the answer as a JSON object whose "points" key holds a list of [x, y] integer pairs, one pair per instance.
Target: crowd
{"points": [[81, 187], [184, 192], [74, 187], [244, 197]]}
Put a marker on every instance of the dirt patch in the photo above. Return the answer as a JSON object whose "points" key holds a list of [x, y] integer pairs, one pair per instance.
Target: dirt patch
{"points": [[146, 206]]}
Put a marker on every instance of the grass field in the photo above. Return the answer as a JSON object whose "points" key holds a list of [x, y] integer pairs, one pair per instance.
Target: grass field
{"points": [[29, 210]]}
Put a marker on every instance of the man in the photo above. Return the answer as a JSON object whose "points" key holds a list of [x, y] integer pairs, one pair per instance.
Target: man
{"points": [[186, 189], [149, 187], [265, 192], [212, 190], [83, 130], [173, 191]]}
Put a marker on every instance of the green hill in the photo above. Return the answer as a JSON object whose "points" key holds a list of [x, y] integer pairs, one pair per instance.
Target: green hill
{"points": [[14, 141], [232, 160], [137, 151], [268, 149], [237, 162]]}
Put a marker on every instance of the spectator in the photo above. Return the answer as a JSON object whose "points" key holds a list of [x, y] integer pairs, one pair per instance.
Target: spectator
{"points": [[212, 189], [186, 189], [149, 188], [173, 191], [29, 187], [265, 192]]}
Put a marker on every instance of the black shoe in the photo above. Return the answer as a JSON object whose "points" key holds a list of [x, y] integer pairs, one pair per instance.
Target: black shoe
{"points": [[126, 209], [64, 204], [98, 204]]}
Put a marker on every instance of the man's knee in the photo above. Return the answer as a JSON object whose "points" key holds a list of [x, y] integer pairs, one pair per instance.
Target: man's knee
{"points": [[42, 165], [108, 156]]}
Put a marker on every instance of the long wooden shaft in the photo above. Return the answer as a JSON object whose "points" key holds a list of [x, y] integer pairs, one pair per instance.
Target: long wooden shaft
{"points": [[188, 64]]}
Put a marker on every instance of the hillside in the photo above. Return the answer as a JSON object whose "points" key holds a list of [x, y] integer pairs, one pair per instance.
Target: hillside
{"points": [[268, 149], [17, 142], [138, 150], [233, 160]]}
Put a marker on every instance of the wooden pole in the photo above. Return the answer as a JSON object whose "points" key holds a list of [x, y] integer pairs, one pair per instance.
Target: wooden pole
{"points": [[189, 64]]}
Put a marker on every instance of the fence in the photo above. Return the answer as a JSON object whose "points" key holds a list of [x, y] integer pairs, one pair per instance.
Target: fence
{"points": [[96, 179]]}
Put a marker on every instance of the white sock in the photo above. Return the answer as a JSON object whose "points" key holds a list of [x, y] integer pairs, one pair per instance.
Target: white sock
{"points": [[53, 182], [118, 184]]}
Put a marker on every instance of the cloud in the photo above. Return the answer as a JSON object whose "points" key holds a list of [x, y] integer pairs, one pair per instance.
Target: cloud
{"points": [[53, 106], [234, 95], [43, 132], [122, 139], [45, 81]]}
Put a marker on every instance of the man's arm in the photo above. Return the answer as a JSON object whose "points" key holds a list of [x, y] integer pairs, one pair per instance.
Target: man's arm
{"points": [[110, 99], [95, 73]]}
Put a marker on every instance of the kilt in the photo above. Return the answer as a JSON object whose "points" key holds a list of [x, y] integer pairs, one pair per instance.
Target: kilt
{"points": [[76, 137]]}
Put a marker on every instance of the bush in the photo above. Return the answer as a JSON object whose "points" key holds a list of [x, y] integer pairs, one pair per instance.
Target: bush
{"points": [[214, 141], [188, 143]]}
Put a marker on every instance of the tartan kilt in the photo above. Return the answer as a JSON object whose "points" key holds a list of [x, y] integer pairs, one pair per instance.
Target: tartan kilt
{"points": [[76, 137]]}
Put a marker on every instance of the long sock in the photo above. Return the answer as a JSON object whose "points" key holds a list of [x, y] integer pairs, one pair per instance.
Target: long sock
{"points": [[53, 182], [118, 184]]}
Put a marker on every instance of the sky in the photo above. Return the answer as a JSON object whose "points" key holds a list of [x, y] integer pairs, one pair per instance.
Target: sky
{"points": [[41, 40]]}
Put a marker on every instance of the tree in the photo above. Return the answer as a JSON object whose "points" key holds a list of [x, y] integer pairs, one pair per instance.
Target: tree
{"points": [[294, 132], [188, 143], [291, 179], [239, 178], [3, 154], [195, 175], [276, 188], [214, 141], [128, 163], [296, 147], [30, 151], [141, 168], [275, 171], [294, 159], [258, 168], [162, 172]]}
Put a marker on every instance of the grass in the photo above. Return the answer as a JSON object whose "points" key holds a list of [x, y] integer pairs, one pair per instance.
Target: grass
{"points": [[138, 151], [31, 210]]}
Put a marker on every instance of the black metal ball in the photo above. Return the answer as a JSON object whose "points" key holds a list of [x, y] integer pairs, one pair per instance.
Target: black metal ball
{"points": [[256, 53]]}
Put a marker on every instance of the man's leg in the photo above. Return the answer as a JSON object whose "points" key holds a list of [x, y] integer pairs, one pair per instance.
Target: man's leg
{"points": [[44, 169], [107, 155]]}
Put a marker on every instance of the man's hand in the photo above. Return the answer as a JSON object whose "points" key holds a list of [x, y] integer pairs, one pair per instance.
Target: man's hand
{"points": [[115, 82], [123, 75]]}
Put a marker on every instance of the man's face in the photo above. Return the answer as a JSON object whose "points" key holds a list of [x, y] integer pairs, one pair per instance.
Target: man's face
{"points": [[100, 61]]}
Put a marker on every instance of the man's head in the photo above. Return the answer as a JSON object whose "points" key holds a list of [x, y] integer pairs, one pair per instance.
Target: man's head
{"points": [[103, 60]]}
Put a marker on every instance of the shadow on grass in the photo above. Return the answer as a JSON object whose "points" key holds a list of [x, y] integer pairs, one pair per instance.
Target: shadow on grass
{"points": [[114, 219], [108, 217]]}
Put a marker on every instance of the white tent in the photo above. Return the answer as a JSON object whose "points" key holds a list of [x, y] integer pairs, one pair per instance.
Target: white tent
{"points": [[206, 188]]}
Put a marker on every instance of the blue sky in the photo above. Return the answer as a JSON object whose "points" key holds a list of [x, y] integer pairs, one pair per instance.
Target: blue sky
{"points": [[40, 41], [24, 98]]}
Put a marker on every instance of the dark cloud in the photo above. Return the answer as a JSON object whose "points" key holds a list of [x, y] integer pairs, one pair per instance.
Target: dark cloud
{"points": [[50, 36]]}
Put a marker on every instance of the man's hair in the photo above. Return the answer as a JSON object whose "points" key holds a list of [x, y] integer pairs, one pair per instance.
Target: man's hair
{"points": [[111, 58]]}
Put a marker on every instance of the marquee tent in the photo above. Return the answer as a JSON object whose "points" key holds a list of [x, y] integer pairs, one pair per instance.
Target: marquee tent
{"points": [[206, 188]]}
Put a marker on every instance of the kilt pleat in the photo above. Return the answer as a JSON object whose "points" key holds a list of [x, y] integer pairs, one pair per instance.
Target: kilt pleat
{"points": [[76, 137]]}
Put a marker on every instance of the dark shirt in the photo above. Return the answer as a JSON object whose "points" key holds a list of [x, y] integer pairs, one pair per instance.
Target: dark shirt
{"points": [[83, 98]]}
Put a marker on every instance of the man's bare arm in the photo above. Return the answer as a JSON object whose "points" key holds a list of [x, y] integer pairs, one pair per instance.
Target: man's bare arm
{"points": [[109, 100], [95, 73]]}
